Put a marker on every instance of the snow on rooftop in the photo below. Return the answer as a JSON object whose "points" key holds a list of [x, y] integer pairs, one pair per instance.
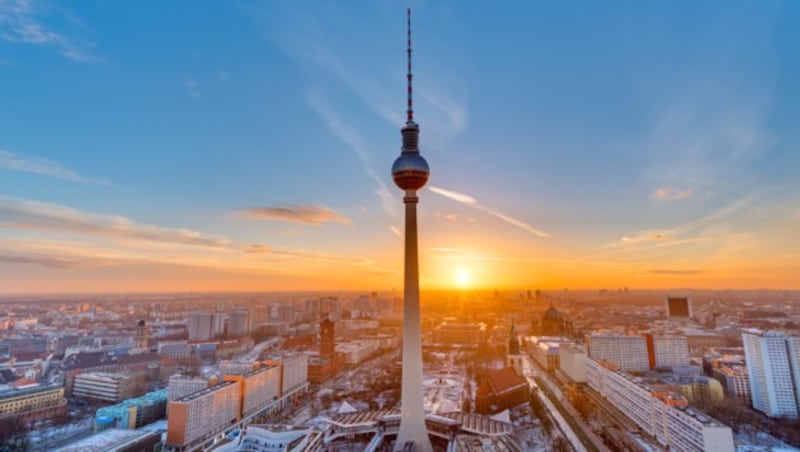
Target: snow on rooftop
{"points": [[103, 441]]}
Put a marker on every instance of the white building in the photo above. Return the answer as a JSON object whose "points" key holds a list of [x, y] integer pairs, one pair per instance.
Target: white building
{"points": [[260, 388], [102, 386], [572, 362], [236, 367], [238, 323], [177, 350], [627, 352], [670, 351], [356, 352], [182, 385], [690, 430], [662, 415], [772, 364], [274, 438], [545, 350], [736, 382], [205, 325], [294, 373]]}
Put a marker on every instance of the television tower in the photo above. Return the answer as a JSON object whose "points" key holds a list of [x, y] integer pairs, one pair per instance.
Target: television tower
{"points": [[410, 172]]}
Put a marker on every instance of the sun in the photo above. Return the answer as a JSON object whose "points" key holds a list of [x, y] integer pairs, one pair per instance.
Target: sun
{"points": [[462, 277]]}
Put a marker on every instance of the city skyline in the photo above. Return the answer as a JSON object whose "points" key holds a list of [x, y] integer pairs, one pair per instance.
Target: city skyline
{"points": [[246, 147]]}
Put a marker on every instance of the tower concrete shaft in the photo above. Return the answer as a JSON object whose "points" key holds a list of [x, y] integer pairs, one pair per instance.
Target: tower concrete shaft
{"points": [[412, 420], [410, 172]]}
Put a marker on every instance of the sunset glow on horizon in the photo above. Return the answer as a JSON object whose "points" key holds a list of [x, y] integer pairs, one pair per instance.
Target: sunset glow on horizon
{"points": [[248, 148]]}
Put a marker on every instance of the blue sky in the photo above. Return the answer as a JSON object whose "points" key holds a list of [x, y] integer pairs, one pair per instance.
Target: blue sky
{"points": [[648, 145]]}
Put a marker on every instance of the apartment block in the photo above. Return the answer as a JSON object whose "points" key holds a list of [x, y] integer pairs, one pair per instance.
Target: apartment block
{"points": [[661, 414], [627, 352], [180, 386], [572, 362], [259, 388], [667, 350], [773, 365], [200, 416], [32, 401], [106, 387]]}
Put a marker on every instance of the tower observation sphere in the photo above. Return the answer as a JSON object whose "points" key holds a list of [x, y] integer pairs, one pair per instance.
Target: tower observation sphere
{"points": [[410, 171]]}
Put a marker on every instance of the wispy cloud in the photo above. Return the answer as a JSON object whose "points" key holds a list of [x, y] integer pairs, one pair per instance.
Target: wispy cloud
{"points": [[472, 202], [455, 196], [671, 194], [350, 136], [138, 243], [20, 23], [396, 231], [192, 87], [713, 226], [306, 255], [25, 214], [675, 272], [377, 87], [43, 261], [313, 215], [45, 167]]}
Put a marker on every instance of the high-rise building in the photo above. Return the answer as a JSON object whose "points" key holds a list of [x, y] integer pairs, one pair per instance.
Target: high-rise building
{"points": [[663, 415], [667, 350], [201, 415], [180, 386], [140, 340], [410, 172], [259, 388], [238, 323], [773, 365], [327, 344], [679, 307], [284, 313], [205, 325], [736, 381], [236, 367], [312, 309], [627, 352]]}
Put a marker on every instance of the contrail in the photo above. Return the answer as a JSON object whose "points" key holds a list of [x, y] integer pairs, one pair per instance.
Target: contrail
{"points": [[472, 202]]}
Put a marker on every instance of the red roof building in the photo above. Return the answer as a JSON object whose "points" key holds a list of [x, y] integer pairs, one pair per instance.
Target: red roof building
{"points": [[501, 389]]}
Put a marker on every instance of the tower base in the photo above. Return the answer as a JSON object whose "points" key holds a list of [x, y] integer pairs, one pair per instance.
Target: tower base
{"points": [[413, 439]]}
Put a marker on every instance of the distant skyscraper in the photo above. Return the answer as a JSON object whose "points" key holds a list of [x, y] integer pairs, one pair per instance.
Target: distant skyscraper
{"points": [[238, 323], [773, 365], [679, 307], [410, 172], [327, 344], [205, 325], [141, 341]]}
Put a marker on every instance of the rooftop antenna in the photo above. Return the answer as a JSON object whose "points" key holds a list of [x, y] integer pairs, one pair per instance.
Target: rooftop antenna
{"points": [[410, 111]]}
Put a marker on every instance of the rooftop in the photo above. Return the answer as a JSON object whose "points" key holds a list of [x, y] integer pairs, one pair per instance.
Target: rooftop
{"points": [[204, 392], [105, 441]]}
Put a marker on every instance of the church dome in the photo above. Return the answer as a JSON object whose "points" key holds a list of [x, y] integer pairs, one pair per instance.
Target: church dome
{"points": [[552, 314]]}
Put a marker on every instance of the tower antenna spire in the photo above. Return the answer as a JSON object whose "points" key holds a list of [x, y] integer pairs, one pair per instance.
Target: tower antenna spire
{"points": [[410, 111]]}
